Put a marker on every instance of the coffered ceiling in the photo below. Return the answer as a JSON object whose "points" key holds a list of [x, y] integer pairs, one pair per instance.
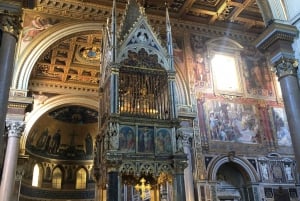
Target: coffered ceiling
{"points": [[73, 64]]}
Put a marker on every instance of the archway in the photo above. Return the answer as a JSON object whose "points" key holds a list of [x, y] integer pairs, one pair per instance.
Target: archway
{"points": [[233, 178]]}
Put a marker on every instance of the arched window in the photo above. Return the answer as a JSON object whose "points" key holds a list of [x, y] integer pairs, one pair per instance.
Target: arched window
{"points": [[37, 175], [57, 178], [81, 179]]}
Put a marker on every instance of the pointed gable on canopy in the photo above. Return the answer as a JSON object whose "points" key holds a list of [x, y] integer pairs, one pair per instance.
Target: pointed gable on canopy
{"points": [[136, 37]]}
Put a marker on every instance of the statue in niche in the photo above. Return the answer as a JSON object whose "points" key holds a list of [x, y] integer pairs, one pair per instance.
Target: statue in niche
{"points": [[288, 172], [179, 142], [88, 144], [264, 171]]}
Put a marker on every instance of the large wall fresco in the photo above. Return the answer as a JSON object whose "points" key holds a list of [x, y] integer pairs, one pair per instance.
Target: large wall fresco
{"points": [[231, 122]]}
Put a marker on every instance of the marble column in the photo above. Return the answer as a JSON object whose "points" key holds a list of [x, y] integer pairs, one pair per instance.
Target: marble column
{"points": [[187, 136], [286, 70], [180, 164], [15, 130], [9, 29], [179, 187], [277, 41], [113, 184]]}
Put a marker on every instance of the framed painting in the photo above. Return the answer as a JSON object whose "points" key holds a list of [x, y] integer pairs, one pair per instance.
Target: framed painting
{"points": [[232, 122]]}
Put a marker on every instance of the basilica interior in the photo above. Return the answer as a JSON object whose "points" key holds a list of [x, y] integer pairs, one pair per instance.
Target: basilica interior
{"points": [[148, 100]]}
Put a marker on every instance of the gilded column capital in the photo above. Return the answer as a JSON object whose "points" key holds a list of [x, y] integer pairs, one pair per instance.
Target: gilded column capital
{"points": [[285, 67], [15, 128], [10, 21]]}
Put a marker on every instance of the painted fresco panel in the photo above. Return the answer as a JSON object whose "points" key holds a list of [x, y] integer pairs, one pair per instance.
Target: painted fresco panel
{"points": [[200, 72], [127, 139], [231, 122], [33, 25], [281, 127], [163, 142], [146, 139], [258, 78]]}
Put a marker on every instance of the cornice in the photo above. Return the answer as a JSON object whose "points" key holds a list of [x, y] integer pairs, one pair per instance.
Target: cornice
{"points": [[92, 12], [274, 32], [74, 9], [60, 88]]}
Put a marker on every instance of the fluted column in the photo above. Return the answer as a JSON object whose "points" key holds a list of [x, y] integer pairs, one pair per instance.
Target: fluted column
{"points": [[9, 29], [15, 130]]}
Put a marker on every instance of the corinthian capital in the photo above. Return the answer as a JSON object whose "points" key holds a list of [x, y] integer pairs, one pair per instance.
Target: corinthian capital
{"points": [[286, 67], [15, 128], [10, 21]]}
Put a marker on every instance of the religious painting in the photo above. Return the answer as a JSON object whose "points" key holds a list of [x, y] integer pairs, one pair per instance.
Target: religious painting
{"points": [[178, 52], [232, 122], [199, 69], [146, 139], [281, 127], [163, 142], [127, 139], [258, 78]]}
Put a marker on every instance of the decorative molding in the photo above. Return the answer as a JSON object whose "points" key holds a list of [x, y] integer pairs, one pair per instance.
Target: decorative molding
{"points": [[276, 32], [56, 87]]}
